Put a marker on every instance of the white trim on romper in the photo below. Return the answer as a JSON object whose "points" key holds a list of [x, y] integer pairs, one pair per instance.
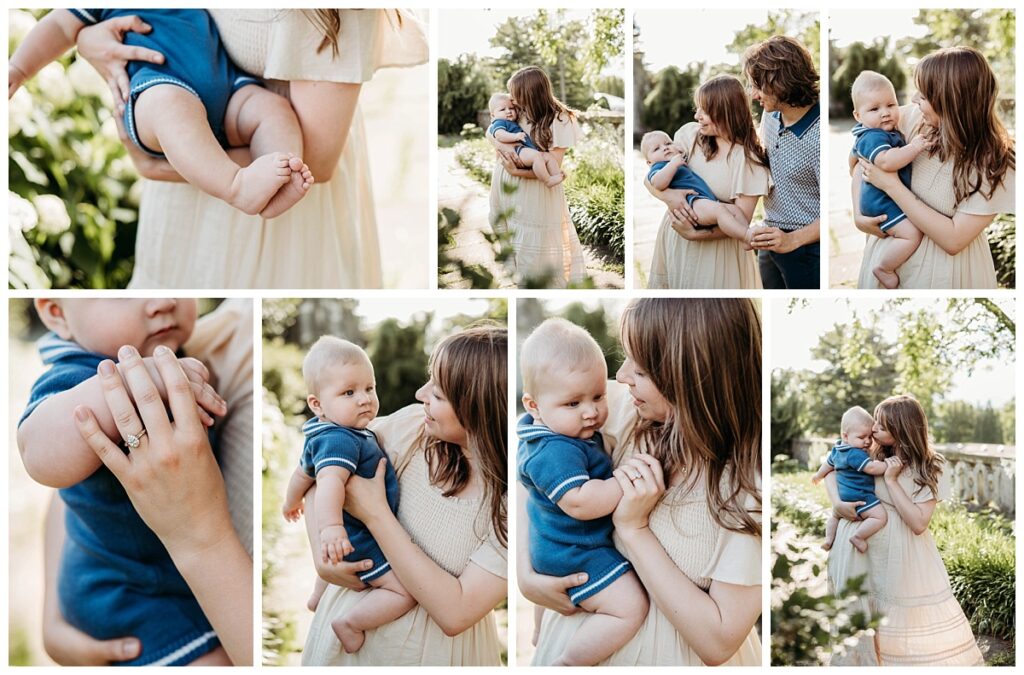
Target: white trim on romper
{"points": [[878, 150], [864, 464], [185, 649], [551, 495], [130, 108], [600, 581], [372, 574], [325, 460]]}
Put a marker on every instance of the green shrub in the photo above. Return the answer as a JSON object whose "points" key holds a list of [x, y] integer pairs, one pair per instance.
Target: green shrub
{"points": [[477, 157], [463, 88], [1002, 239]]}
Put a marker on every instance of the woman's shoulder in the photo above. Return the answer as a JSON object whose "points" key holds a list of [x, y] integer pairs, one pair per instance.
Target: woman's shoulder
{"points": [[685, 134], [986, 201], [399, 432], [910, 116], [565, 131]]}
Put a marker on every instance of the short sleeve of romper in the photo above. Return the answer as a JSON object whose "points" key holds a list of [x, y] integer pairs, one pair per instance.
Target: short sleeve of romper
{"points": [[872, 142], [90, 16], [857, 458], [368, 39], [565, 133], [729, 179], [331, 448], [491, 556], [557, 467], [59, 378], [737, 556]]}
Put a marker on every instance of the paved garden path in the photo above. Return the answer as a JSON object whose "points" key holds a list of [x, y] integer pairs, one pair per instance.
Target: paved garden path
{"points": [[846, 242], [457, 190]]}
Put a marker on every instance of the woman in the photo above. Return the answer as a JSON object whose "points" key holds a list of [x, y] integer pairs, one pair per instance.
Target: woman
{"points": [[448, 542], [319, 59], [958, 187], [724, 150], [547, 248], [906, 580], [689, 518], [173, 478]]}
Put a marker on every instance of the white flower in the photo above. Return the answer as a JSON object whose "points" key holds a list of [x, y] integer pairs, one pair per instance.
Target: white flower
{"points": [[55, 85], [135, 193], [20, 212], [19, 112], [20, 23], [87, 82], [53, 215]]}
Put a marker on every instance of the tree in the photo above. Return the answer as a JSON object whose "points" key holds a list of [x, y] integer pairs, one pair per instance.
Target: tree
{"points": [[597, 323], [954, 422], [921, 370], [987, 428], [670, 101], [463, 88], [399, 356], [856, 58], [804, 26], [787, 410]]}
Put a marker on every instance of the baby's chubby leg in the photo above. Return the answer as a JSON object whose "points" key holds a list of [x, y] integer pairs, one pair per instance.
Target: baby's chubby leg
{"points": [[874, 519], [266, 123], [172, 120], [903, 240], [217, 657], [830, 532], [319, 586], [535, 160], [386, 601], [618, 611], [730, 219]]}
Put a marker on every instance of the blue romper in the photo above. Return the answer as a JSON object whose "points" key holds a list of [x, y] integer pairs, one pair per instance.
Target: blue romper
{"points": [[194, 59], [549, 466], [685, 179], [854, 484], [357, 450], [513, 128], [116, 579], [874, 202]]}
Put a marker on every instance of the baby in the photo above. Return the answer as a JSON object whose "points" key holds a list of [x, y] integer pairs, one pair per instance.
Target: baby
{"points": [[855, 472], [669, 170], [192, 107], [879, 141], [505, 130], [343, 396], [568, 475], [116, 578]]}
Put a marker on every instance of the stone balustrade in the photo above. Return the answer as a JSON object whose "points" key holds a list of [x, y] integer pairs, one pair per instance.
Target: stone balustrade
{"points": [[979, 473]]}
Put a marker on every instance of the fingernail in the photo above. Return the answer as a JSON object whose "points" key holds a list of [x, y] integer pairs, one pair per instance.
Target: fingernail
{"points": [[127, 352], [368, 564], [582, 578], [162, 350], [130, 648], [106, 368], [80, 414]]}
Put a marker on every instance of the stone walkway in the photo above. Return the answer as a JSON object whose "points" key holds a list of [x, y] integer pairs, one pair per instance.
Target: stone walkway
{"points": [[647, 215], [846, 242], [457, 190]]}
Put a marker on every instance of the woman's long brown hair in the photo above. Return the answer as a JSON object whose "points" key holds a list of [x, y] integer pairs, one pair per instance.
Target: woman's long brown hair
{"points": [[471, 368], [328, 22], [960, 86], [531, 89], [704, 356], [903, 417], [724, 101]]}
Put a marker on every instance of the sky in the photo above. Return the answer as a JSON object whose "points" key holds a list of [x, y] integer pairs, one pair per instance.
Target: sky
{"points": [[864, 26], [680, 38], [794, 333]]}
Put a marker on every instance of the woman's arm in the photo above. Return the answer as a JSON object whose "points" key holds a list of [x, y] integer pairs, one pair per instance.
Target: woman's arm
{"points": [[917, 515], [455, 603], [65, 644], [714, 623], [684, 218], [175, 485], [841, 509], [951, 234], [782, 241], [541, 590], [325, 111], [866, 224], [344, 574], [102, 46]]}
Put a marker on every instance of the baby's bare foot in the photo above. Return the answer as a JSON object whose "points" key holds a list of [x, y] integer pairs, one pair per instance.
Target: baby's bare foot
{"points": [[314, 600], [299, 182], [887, 279], [859, 544], [827, 546], [255, 185], [555, 179], [350, 638]]}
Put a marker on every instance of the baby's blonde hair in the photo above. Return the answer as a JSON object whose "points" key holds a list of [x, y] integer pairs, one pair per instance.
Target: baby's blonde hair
{"points": [[650, 139], [866, 82], [557, 345], [496, 99], [853, 416], [326, 352]]}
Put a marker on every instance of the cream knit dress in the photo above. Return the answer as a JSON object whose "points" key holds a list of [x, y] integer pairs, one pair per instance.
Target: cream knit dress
{"points": [[713, 263], [702, 550], [543, 236], [454, 532], [930, 266], [188, 239]]}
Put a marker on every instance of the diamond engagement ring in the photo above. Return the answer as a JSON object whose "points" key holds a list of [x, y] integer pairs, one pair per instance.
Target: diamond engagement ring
{"points": [[134, 440]]}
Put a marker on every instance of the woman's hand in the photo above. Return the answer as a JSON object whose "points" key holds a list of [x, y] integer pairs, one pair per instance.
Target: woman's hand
{"points": [[847, 510], [893, 467], [550, 592], [366, 498], [102, 45], [69, 646], [171, 477], [883, 180], [773, 239], [148, 166], [643, 483]]}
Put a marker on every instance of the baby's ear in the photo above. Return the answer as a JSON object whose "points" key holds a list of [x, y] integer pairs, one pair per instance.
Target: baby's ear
{"points": [[314, 404], [51, 313], [529, 404]]}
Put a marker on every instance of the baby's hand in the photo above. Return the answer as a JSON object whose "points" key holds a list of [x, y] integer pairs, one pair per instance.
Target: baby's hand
{"points": [[815, 479], [920, 143], [334, 543], [521, 136], [15, 78], [208, 400], [292, 512]]}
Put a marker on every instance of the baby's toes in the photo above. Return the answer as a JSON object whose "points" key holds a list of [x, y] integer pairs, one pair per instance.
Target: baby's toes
{"points": [[295, 163]]}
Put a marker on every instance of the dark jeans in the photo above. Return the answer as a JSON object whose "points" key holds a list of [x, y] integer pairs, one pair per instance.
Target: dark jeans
{"points": [[796, 269]]}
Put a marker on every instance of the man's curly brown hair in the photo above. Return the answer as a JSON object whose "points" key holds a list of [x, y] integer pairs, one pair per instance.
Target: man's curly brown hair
{"points": [[782, 67]]}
